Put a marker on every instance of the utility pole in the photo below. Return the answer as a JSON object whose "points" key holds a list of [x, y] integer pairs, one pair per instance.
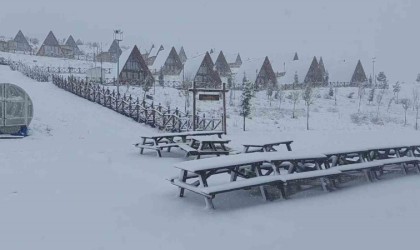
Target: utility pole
{"points": [[118, 36]]}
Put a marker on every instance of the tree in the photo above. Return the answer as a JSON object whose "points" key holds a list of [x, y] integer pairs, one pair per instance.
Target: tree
{"points": [[147, 85], [371, 95], [295, 97], [390, 103], [270, 89], [308, 96], [331, 92], [418, 78], [396, 89], [383, 82], [246, 101], [295, 80], [185, 86], [279, 96], [335, 94], [416, 104], [379, 99], [360, 94], [161, 78], [406, 104], [370, 80]]}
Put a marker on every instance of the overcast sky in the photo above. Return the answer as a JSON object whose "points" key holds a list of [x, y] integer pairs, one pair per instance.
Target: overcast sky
{"points": [[387, 29]]}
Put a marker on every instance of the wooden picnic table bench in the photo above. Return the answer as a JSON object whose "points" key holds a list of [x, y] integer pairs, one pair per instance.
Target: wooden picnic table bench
{"points": [[267, 146], [204, 169], [206, 145], [158, 142]]}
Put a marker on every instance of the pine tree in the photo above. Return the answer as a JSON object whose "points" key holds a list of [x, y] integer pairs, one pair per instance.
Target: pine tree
{"points": [[418, 78], [308, 95], [295, 80], [331, 92], [383, 82], [396, 89], [246, 102], [161, 78]]}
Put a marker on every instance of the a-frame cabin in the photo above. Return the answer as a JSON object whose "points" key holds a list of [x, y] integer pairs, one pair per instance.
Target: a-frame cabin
{"points": [[173, 64], [135, 70], [71, 43], [207, 76], [50, 47], [21, 43], [182, 55], [314, 77], [359, 75], [237, 63], [266, 75], [222, 66]]}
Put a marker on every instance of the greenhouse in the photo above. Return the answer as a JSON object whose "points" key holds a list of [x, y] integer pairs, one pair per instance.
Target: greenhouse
{"points": [[16, 110]]}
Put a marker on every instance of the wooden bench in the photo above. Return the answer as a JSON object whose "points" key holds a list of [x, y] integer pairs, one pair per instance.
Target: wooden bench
{"points": [[369, 168], [210, 192], [188, 149]]}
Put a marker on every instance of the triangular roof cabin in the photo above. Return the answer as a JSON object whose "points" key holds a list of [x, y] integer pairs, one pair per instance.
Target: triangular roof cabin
{"points": [[72, 44], [115, 48], [237, 63], [21, 43], [135, 70], [222, 65], [182, 55], [359, 75], [50, 47], [296, 57], [314, 75], [168, 62], [266, 75], [203, 72]]}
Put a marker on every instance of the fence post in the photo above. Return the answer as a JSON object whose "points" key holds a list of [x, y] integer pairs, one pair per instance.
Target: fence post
{"points": [[138, 109]]}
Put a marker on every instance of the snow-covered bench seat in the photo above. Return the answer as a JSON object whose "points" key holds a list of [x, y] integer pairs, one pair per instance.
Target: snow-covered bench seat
{"points": [[368, 167], [210, 192]]}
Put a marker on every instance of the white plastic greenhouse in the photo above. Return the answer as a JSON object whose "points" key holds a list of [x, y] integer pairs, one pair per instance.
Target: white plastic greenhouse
{"points": [[16, 110]]}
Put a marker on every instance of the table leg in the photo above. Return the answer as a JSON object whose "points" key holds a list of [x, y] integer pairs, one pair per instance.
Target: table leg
{"points": [[143, 143], [183, 178], [289, 147], [263, 191]]}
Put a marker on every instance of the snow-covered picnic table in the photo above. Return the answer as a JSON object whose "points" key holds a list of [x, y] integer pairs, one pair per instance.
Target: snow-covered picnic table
{"points": [[158, 142], [248, 166], [207, 145], [266, 146]]}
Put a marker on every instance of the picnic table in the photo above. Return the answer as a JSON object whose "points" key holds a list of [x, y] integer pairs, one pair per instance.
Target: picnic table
{"points": [[206, 145], [158, 142], [200, 171], [267, 146]]}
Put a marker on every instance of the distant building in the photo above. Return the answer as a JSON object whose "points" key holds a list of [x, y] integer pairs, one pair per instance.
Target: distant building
{"points": [[201, 70], [316, 73], [70, 49], [296, 57], [50, 47], [182, 55], [266, 75], [112, 55], [237, 63], [96, 74], [359, 76], [4, 46], [21, 43], [135, 70], [222, 66]]}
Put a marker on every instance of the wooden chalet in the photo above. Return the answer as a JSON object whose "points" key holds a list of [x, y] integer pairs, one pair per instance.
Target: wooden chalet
{"points": [[20, 43], [237, 63], [222, 66], [316, 74], [50, 47], [202, 71], [359, 75], [266, 76], [182, 55], [134, 70], [70, 49], [112, 55]]}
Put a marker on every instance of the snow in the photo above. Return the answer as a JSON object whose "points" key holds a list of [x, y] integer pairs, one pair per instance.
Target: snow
{"points": [[78, 183]]}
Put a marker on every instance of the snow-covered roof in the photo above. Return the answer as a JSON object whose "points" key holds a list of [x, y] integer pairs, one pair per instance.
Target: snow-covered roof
{"points": [[124, 57], [250, 67], [160, 59], [299, 67], [342, 69], [192, 65]]}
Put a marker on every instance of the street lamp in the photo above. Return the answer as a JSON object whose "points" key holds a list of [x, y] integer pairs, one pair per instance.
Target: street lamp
{"points": [[118, 36]]}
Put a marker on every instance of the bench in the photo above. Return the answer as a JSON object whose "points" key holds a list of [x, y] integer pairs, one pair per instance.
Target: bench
{"points": [[209, 193], [188, 149], [368, 167]]}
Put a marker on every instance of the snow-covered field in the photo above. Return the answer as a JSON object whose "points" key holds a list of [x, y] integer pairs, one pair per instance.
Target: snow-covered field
{"points": [[78, 183]]}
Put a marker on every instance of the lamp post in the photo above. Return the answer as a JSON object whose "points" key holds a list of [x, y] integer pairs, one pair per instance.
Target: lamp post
{"points": [[118, 36]]}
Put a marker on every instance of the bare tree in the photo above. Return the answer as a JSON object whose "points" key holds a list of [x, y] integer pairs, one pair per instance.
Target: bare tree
{"points": [[390, 103], [295, 97], [185, 86], [280, 96], [416, 104], [360, 94], [308, 96], [406, 104]]}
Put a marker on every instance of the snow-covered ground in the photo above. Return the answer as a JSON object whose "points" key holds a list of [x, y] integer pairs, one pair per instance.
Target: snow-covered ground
{"points": [[78, 183]]}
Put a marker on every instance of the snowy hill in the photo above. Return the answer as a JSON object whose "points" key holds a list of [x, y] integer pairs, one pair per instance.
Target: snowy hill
{"points": [[78, 183]]}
